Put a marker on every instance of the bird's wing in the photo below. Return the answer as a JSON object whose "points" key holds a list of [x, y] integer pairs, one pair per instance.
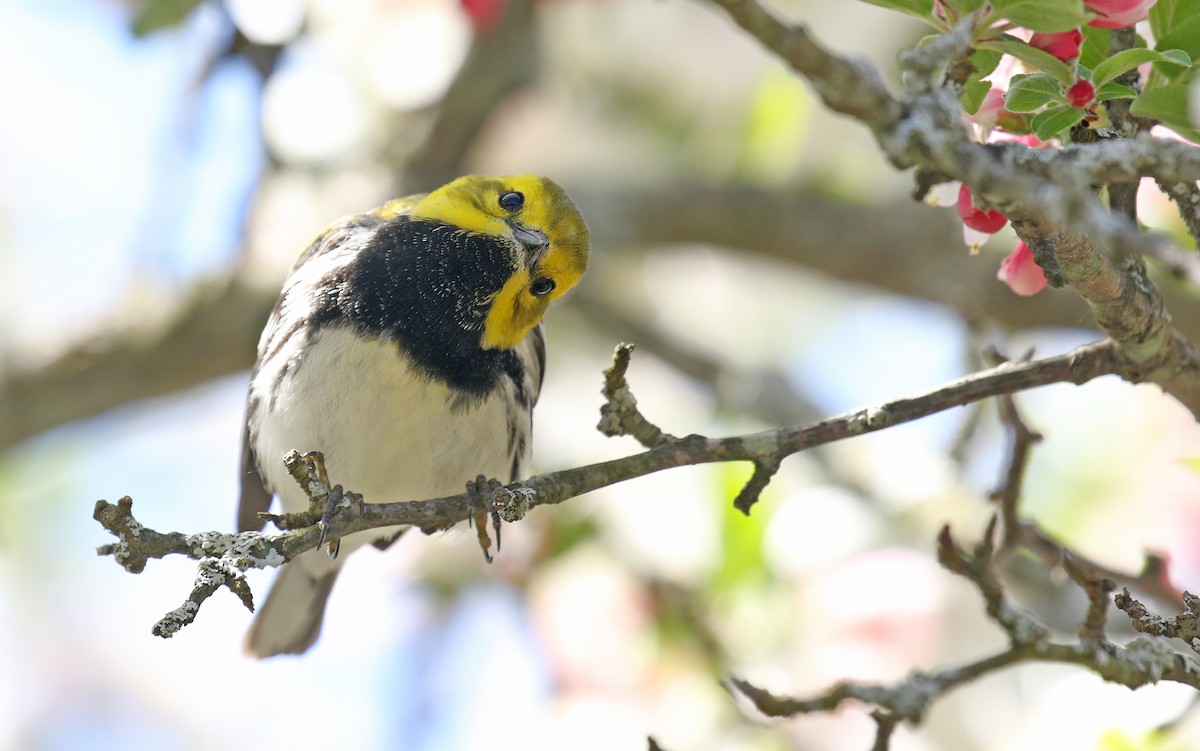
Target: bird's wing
{"points": [[537, 365], [255, 496]]}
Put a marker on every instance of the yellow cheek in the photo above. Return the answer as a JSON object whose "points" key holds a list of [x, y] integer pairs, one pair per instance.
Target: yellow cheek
{"points": [[514, 312]]}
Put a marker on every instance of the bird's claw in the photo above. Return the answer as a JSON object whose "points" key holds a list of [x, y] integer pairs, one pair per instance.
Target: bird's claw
{"points": [[337, 498], [480, 496]]}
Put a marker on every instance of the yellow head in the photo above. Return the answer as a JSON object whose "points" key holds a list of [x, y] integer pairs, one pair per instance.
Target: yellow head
{"points": [[535, 218]]}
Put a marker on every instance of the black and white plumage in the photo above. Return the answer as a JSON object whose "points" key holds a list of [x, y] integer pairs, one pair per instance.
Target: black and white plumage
{"points": [[406, 346]]}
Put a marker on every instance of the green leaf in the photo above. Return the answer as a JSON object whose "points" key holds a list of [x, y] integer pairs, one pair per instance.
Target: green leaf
{"points": [[1168, 105], [1183, 36], [975, 88], [1095, 46], [153, 15], [1168, 15], [1055, 120], [1041, 15], [1039, 59], [1112, 90], [922, 9], [1031, 92], [1177, 57], [963, 7], [1126, 60], [985, 62], [973, 95]]}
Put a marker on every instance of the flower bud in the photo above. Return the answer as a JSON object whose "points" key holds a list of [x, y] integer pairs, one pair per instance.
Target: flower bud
{"points": [[1117, 14], [1081, 94], [1021, 273], [976, 218], [1064, 44]]}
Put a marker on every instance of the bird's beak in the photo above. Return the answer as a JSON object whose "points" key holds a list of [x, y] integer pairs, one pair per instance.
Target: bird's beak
{"points": [[533, 241]]}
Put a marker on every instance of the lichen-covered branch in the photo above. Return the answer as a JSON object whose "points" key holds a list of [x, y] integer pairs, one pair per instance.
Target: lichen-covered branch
{"points": [[1185, 626], [619, 414], [304, 531], [1186, 196], [1052, 207]]}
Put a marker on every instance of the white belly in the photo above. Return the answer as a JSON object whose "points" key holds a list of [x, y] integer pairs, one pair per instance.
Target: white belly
{"points": [[386, 431]]}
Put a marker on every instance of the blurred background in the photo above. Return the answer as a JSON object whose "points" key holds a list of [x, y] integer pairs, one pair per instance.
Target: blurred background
{"points": [[163, 163]]}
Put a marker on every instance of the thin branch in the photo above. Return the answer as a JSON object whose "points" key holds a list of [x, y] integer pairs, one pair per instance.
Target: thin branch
{"points": [[885, 725], [619, 415], [137, 543], [1151, 580], [764, 469], [1096, 580], [851, 87], [907, 700], [977, 566], [1185, 626], [1186, 196], [1141, 662], [1008, 493], [1098, 589]]}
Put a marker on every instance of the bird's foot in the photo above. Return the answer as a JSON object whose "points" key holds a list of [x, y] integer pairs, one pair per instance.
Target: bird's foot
{"points": [[480, 493], [338, 499], [317, 460]]}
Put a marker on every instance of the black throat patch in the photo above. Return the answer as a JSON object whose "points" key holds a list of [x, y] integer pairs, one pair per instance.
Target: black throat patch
{"points": [[428, 287]]}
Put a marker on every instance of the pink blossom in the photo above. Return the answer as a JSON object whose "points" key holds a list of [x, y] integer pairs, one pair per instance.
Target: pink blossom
{"points": [[1029, 139], [1064, 44], [1081, 94], [484, 14], [974, 239], [993, 114], [990, 109], [1117, 14], [1021, 273], [976, 218]]}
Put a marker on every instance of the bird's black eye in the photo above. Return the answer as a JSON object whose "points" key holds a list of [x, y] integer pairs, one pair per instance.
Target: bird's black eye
{"points": [[512, 200], [543, 285]]}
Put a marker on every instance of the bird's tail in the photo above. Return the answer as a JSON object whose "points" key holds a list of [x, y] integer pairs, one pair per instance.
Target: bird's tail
{"points": [[289, 622]]}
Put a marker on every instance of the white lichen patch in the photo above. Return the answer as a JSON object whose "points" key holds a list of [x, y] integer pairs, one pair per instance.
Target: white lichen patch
{"points": [[120, 552], [512, 504], [176, 619], [244, 549], [1151, 657], [859, 422]]}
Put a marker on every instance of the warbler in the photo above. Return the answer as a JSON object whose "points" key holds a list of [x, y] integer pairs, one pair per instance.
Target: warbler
{"points": [[407, 347]]}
